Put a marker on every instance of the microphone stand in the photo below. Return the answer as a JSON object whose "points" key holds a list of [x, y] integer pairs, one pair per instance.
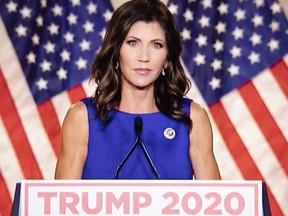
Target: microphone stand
{"points": [[125, 159], [138, 129], [150, 161]]}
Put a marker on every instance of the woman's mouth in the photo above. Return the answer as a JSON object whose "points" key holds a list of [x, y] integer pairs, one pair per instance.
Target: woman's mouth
{"points": [[142, 71]]}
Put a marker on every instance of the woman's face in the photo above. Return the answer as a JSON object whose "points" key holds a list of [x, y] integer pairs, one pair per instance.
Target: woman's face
{"points": [[143, 54]]}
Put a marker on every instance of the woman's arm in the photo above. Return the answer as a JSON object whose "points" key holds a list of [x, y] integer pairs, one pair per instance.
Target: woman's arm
{"points": [[201, 145], [74, 135]]}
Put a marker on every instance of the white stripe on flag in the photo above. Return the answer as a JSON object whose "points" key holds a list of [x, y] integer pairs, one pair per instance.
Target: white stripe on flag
{"points": [[9, 165], [286, 59], [89, 87]]}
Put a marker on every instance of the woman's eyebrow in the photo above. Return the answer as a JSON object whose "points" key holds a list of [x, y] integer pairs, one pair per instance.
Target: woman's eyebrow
{"points": [[139, 39]]}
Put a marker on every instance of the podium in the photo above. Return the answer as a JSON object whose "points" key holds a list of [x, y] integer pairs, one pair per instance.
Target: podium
{"points": [[140, 197]]}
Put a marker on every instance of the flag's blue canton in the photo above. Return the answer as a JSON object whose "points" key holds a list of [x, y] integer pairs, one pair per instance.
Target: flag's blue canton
{"points": [[55, 40], [226, 43]]}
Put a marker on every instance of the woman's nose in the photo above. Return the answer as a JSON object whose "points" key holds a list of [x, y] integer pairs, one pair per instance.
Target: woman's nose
{"points": [[143, 54]]}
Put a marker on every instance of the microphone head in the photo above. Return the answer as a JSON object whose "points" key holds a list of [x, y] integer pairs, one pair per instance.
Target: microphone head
{"points": [[138, 122]]}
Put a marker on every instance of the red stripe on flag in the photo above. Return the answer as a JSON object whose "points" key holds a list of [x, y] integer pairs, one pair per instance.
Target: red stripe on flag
{"points": [[5, 198], [239, 152], [266, 123], [51, 124], [16, 132], [76, 93], [280, 72]]}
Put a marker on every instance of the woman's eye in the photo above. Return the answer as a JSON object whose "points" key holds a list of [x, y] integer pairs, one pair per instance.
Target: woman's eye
{"points": [[132, 42], [158, 45]]}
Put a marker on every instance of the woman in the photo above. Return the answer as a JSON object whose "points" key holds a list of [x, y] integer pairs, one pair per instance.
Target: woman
{"points": [[139, 76]]}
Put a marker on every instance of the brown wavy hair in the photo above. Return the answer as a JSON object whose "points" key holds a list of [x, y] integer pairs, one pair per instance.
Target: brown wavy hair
{"points": [[169, 89]]}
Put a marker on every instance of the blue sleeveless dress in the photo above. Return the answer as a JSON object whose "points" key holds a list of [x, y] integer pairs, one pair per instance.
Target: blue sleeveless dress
{"points": [[165, 139]]}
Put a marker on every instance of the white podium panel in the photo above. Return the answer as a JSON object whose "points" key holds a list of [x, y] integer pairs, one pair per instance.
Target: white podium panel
{"points": [[140, 197]]}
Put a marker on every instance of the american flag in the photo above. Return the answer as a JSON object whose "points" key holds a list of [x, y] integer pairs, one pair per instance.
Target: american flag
{"points": [[47, 48], [235, 52]]}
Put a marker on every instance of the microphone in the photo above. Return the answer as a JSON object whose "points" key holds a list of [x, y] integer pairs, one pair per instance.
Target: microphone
{"points": [[138, 126], [138, 122]]}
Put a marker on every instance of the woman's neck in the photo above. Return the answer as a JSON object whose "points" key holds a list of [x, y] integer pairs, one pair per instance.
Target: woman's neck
{"points": [[137, 102]]}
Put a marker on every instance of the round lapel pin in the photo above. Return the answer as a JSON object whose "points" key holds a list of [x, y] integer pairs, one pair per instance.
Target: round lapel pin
{"points": [[169, 133]]}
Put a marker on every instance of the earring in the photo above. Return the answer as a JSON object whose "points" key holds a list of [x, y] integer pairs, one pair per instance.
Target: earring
{"points": [[117, 65], [163, 72]]}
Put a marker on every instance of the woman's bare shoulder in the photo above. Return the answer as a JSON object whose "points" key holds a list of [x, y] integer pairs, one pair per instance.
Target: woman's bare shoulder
{"points": [[198, 112], [76, 112], [75, 122]]}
